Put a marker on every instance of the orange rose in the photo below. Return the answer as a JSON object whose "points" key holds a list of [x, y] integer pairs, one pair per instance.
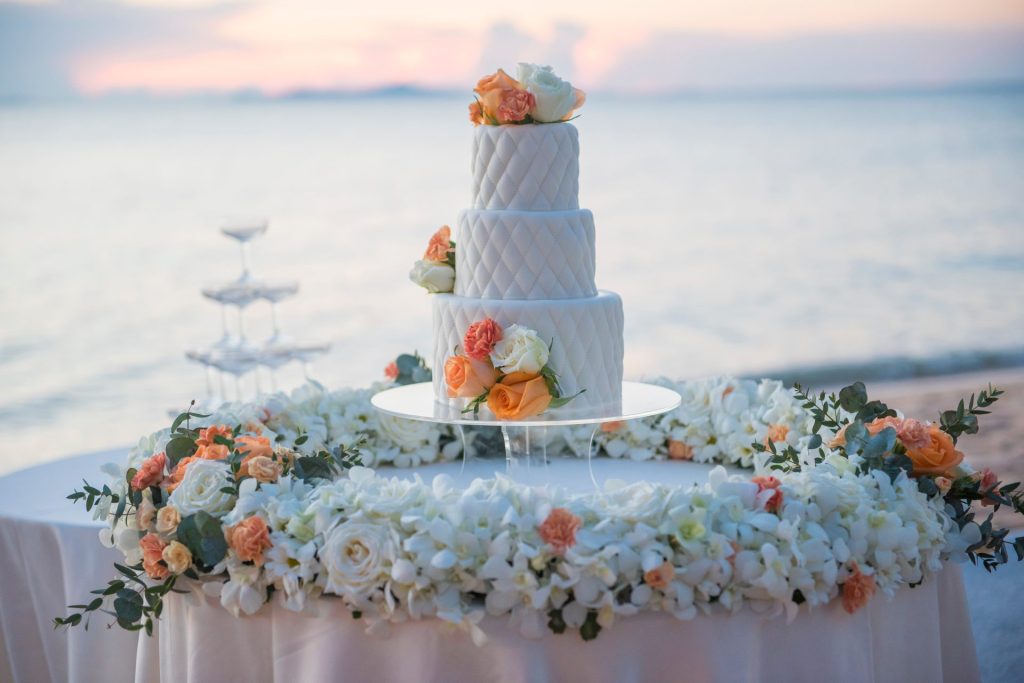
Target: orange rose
{"points": [[440, 245], [559, 529], [939, 456], [499, 80], [249, 538], [660, 576], [254, 446], [519, 395], [679, 450], [858, 589], [468, 378], [208, 448]]}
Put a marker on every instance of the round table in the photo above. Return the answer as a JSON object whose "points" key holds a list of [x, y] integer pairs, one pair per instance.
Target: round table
{"points": [[50, 556]]}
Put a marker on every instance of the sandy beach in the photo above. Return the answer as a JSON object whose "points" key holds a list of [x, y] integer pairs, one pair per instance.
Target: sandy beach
{"points": [[998, 445]]}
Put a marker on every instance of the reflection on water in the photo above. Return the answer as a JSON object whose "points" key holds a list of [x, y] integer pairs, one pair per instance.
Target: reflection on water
{"points": [[743, 234]]}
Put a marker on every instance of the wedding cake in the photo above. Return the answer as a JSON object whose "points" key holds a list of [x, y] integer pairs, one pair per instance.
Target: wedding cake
{"points": [[524, 328]]}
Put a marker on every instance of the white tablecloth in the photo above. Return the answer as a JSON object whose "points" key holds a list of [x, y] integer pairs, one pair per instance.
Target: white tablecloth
{"points": [[50, 556]]}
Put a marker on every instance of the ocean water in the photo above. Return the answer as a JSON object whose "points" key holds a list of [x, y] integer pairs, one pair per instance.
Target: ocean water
{"points": [[869, 234]]}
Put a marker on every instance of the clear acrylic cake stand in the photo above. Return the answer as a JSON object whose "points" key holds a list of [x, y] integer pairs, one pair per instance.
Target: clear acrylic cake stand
{"points": [[417, 402]]}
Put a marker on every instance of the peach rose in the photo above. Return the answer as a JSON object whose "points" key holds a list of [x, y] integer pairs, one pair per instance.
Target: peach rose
{"points": [[168, 519], [177, 557], [150, 473], [263, 469], [152, 555], [175, 477], [559, 529], [660, 576], [519, 395], [391, 370], [774, 503], [249, 538], [727, 391], [581, 98], [476, 113], [468, 378], [145, 514], [858, 589], [612, 427], [776, 433], [208, 448], [440, 245], [939, 456], [480, 339], [679, 450]]}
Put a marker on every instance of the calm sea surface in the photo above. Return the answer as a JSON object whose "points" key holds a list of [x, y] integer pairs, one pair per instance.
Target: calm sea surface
{"points": [[745, 235]]}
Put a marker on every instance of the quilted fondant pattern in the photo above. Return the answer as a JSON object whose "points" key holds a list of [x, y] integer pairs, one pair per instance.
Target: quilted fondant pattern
{"points": [[587, 333], [531, 167], [525, 254]]}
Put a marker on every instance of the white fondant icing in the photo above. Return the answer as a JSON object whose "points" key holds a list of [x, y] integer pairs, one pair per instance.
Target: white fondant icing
{"points": [[530, 167], [525, 254], [586, 333]]}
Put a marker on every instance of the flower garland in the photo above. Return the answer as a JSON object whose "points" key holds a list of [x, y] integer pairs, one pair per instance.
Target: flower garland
{"points": [[254, 504]]}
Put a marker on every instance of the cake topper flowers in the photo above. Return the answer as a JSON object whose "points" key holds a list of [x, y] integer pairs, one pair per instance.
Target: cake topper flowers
{"points": [[506, 369], [435, 272], [538, 96]]}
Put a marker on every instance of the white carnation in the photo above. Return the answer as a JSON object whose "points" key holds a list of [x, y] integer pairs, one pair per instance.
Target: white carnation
{"points": [[435, 277], [520, 350], [555, 98], [200, 489]]}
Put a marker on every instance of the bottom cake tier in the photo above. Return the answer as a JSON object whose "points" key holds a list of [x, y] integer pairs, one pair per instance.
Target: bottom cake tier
{"points": [[586, 337]]}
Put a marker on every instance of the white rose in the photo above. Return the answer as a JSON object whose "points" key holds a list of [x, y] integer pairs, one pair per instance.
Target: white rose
{"points": [[436, 278], [406, 434], [520, 350], [358, 556], [201, 489], [555, 97]]}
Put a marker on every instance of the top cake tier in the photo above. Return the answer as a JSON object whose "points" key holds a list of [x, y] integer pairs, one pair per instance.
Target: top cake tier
{"points": [[533, 167]]}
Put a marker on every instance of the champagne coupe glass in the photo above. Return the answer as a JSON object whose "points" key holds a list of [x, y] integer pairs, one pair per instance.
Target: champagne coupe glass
{"points": [[245, 231], [275, 293]]}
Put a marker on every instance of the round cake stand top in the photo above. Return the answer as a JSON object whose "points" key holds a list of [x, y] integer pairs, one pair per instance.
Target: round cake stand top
{"points": [[417, 402]]}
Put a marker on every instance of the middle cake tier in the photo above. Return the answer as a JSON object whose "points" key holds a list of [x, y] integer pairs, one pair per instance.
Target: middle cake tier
{"points": [[506, 254], [585, 337]]}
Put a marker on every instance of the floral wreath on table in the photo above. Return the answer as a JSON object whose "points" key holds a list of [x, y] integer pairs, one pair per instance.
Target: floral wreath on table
{"points": [[506, 370], [261, 502]]}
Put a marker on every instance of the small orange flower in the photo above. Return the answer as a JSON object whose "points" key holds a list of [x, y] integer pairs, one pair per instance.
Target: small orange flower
{"points": [[150, 473], [476, 113], [209, 449], [612, 427], [727, 391], [776, 432], [559, 530], [774, 503], [660, 576], [858, 589], [253, 446], [391, 370], [152, 554], [175, 477], [480, 338], [679, 450], [440, 245], [249, 538]]}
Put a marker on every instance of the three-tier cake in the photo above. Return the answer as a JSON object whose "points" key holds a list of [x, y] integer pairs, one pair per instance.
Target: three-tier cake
{"points": [[524, 265]]}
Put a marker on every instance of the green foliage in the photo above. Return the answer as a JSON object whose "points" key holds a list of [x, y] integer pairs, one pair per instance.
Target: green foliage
{"points": [[412, 368], [129, 599], [964, 420], [203, 535], [556, 622], [327, 464], [590, 628]]}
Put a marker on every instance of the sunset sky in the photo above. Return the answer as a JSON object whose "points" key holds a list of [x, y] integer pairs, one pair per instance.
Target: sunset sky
{"points": [[64, 47]]}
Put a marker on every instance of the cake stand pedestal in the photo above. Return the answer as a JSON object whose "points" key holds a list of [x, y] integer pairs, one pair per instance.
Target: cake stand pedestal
{"points": [[522, 459]]}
